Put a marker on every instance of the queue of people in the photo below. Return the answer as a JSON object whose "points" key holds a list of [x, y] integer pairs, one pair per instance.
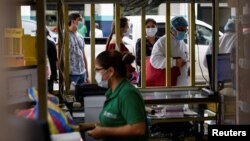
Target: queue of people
{"points": [[179, 57], [123, 116], [155, 52]]}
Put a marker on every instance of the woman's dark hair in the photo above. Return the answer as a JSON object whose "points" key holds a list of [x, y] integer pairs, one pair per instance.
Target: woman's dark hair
{"points": [[115, 59], [73, 16], [123, 23], [150, 20]]}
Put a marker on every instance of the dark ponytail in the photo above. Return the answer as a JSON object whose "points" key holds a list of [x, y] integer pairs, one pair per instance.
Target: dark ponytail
{"points": [[128, 58], [113, 58]]}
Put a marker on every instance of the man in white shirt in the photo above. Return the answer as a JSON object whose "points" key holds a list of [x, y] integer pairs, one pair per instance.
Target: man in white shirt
{"points": [[227, 41], [179, 53], [98, 31]]}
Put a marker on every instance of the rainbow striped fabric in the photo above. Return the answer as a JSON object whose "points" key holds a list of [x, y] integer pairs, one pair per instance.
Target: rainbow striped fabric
{"points": [[59, 121]]}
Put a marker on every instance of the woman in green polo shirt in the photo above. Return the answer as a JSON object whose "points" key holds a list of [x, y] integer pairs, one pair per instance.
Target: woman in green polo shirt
{"points": [[123, 116]]}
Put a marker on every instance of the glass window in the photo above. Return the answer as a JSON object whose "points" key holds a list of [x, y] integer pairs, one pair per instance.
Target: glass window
{"points": [[204, 35]]}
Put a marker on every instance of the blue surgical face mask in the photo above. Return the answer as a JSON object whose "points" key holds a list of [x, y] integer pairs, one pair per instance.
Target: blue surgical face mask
{"points": [[100, 81], [180, 35]]}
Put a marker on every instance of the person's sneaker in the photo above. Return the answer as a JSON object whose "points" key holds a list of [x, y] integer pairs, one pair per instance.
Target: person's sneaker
{"points": [[73, 86], [76, 105]]}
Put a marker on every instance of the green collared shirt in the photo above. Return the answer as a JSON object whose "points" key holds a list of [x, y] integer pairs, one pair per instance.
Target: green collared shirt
{"points": [[123, 106]]}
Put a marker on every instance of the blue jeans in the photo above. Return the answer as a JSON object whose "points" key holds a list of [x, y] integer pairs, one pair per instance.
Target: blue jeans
{"points": [[78, 79]]}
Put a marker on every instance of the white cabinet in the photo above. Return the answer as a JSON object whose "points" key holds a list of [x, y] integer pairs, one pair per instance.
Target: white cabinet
{"points": [[18, 80]]}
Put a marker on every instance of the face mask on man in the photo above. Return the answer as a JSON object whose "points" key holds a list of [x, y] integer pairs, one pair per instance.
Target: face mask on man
{"points": [[180, 35], [100, 81], [151, 31]]}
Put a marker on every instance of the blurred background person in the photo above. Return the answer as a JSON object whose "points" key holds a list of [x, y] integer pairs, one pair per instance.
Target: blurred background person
{"points": [[179, 57], [52, 56], [132, 75], [151, 38], [227, 41], [78, 61], [227, 45], [82, 28], [98, 31]]}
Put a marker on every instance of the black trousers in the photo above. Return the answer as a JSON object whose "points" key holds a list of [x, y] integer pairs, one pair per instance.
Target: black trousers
{"points": [[50, 86]]}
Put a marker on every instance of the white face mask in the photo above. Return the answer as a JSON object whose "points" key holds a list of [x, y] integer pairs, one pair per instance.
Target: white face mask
{"points": [[151, 31], [126, 33], [100, 81]]}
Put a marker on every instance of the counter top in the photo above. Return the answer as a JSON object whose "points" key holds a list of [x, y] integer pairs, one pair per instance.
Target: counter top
{"points": [[178, 97]]}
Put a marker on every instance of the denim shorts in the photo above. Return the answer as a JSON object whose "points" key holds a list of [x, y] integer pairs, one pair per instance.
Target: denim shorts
{"points": [[78, 79]]}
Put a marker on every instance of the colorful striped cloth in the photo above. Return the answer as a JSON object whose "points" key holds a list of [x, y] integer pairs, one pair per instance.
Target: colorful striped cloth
{"points": [[59, 121]]}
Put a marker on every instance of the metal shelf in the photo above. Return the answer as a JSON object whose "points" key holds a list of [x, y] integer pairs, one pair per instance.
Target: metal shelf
{"points": [[197, 102]]}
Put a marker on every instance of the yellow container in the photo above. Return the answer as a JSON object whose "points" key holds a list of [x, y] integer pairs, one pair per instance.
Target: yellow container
{"points": [[29, 50], [20, 49]]}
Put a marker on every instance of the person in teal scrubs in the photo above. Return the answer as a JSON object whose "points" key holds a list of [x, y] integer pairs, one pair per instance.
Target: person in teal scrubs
{"points": [[82, 28], [123, 116]]}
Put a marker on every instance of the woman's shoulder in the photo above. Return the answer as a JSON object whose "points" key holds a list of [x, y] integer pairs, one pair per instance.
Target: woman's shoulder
{"points": [[110, 46], [128, 89], [113, 39], [157, 37]]}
